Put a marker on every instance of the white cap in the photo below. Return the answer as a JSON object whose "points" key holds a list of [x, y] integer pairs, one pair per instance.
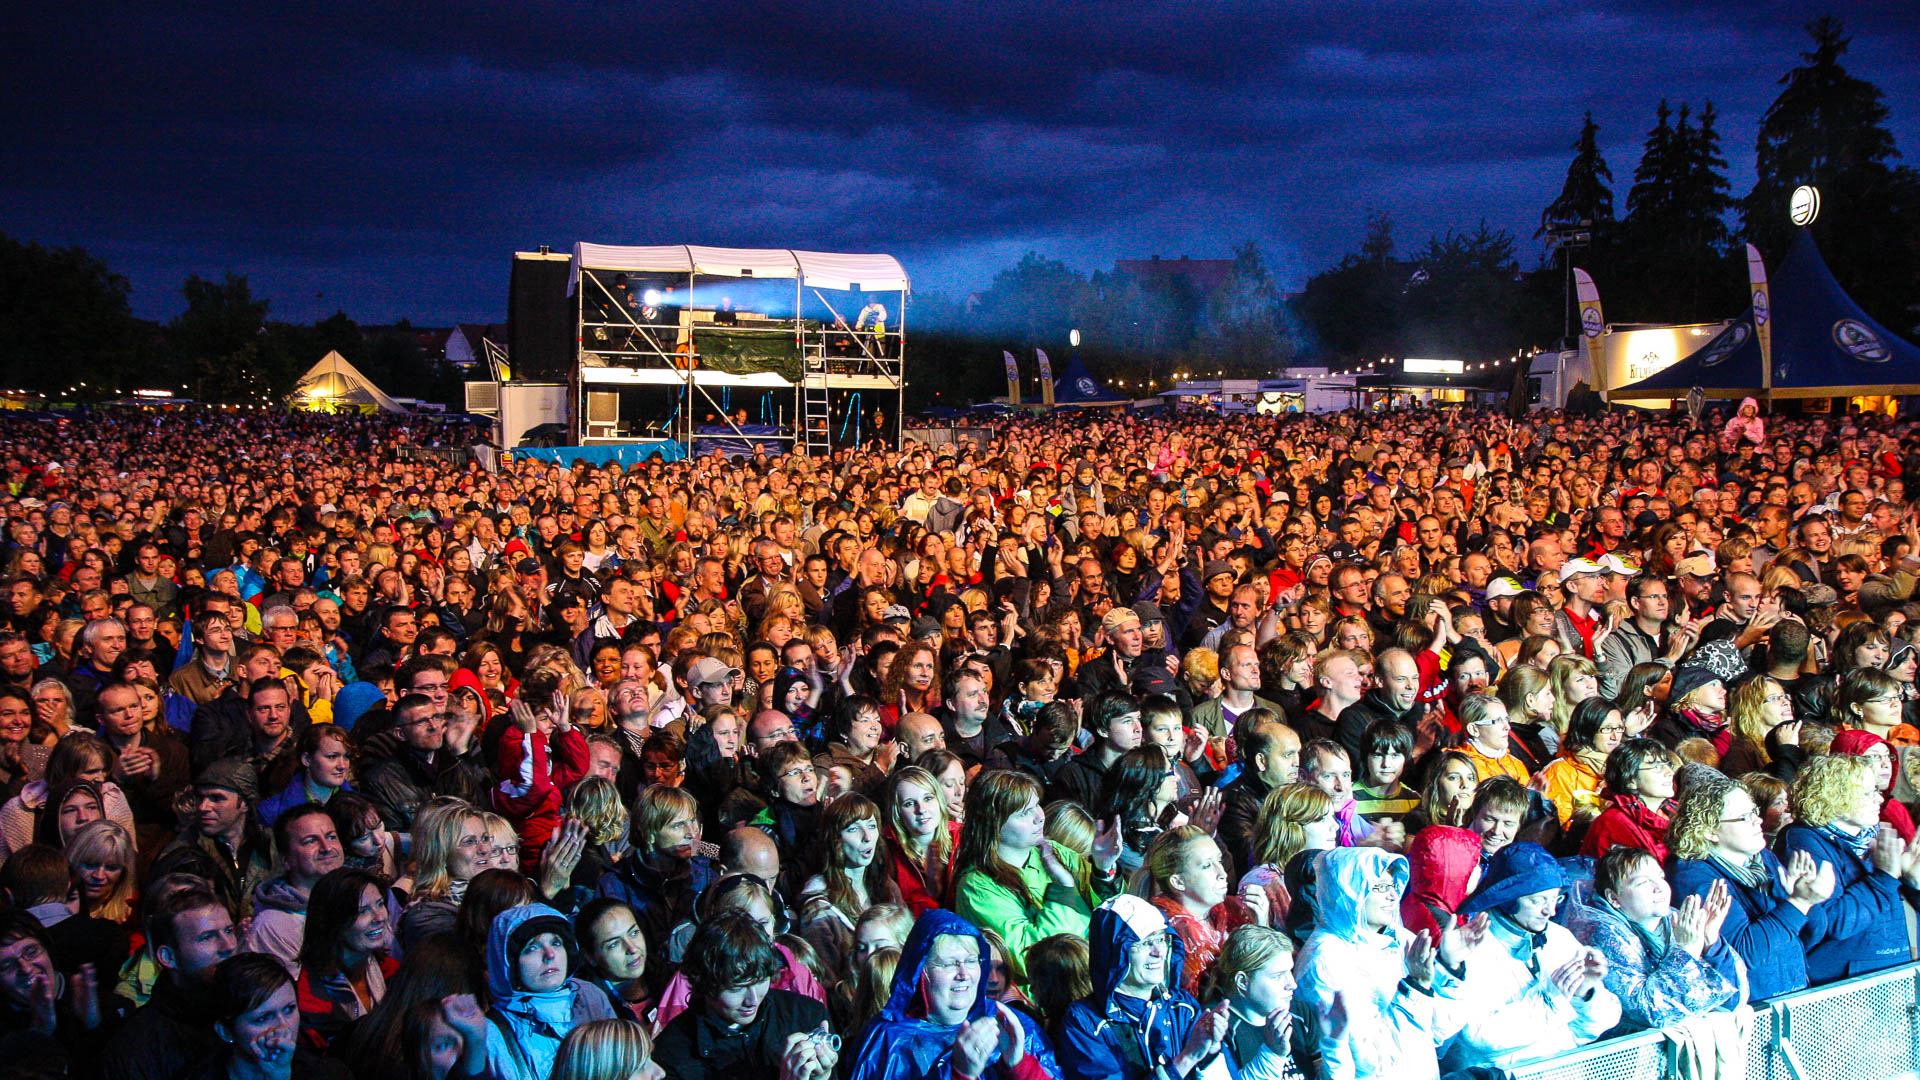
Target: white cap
{"points": [[1576, 567], [1502, 587], [1612, 563]]}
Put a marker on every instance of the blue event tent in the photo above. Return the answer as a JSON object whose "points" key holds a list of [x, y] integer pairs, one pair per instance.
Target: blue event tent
{"points": [[1076, 388], [1823, 346]]}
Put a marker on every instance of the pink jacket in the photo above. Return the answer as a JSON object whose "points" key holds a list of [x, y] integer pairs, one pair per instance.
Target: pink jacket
{"points": [[1752, 428], [794, 976]]}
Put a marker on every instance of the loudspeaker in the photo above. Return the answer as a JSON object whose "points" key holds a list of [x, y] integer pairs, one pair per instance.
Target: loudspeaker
{"points": [[540, 317]]}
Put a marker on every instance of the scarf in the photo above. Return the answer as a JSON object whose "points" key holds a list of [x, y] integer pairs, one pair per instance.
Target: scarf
{"points": [[1751, 873], [1714, 729], [1858, 843]]}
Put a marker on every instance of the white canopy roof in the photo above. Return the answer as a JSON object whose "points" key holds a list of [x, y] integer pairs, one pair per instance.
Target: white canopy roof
{"points": [[621, 376], [821, 269], [334, 380]]}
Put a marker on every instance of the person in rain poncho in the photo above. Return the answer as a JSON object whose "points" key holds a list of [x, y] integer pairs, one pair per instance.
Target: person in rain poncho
{"points": [[1663, 963], [939, 1023], [1531, 990], [536, 1001], [1137, 1023], [1377, 999]]}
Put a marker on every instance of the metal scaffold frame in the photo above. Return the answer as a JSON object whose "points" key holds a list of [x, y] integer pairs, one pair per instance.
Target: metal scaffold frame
{"points": [[648, 331]]}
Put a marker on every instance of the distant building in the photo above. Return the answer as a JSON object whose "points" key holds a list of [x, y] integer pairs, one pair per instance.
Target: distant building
{"points": [[465, 348], [1203, 276]]}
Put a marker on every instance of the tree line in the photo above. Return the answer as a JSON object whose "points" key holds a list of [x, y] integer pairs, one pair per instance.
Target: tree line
{"points": [[1669, 249]]}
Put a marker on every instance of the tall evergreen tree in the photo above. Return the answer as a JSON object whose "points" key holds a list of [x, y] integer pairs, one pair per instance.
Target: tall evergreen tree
{"points": [[1829, 128], [1702, 199], [1674, 262], [1587, 194], [1651, 193]]}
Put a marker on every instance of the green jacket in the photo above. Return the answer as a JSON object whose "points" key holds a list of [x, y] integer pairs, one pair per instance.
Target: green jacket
{"points": [[1062, 909]]}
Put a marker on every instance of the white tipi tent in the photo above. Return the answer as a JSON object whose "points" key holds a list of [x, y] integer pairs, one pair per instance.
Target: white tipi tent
{"points": [[335, 385]]}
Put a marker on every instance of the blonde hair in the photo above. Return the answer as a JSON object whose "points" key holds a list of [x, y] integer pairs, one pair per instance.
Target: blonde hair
{"points": [[436, 834], [940, 846], [106, 843], [1701, 806], [1070, 826], [1827, 788], [1563, 670], [1747, 708], [615, 1049], [1248, 949], [656, 808], [1166, 856], [1280, 829], [1520, 683], [872, 985], [596, 802]]}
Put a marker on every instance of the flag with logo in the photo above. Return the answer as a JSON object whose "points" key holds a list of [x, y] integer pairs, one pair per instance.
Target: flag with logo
{"points": [[1046, 376], [1762, 313], [1591, 326], [1013, 378]]}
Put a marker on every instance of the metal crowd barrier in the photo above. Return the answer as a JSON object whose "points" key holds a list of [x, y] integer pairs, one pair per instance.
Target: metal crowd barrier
{"points": [[1860, 1029]]}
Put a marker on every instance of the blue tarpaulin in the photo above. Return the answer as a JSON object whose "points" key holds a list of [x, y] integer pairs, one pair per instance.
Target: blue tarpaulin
{"points": [[624, 453], [1823, 345]]}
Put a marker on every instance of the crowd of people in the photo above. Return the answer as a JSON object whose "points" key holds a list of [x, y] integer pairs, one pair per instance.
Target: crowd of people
{"points": [[1392, 745]]}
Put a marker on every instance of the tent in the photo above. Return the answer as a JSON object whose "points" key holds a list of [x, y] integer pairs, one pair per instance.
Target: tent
{"points": [[335, 385], [1823, 345], [1076, 388]]}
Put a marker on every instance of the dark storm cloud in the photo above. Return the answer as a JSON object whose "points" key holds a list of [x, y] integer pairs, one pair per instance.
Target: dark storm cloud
{"points": [[385, 158]]}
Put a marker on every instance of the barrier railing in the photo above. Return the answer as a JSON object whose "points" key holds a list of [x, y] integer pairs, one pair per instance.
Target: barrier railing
{"points": [[1861, 1029]]}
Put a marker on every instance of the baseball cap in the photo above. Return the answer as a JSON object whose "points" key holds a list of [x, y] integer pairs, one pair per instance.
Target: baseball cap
{"points": [[1612, 563], [1502, 587], [527, 566], [1698, 564], [1118, 618], [1575, 567], [706, 671]]}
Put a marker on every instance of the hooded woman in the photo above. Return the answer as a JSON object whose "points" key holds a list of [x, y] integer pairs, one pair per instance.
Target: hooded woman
{"points": [[939, 1014], [1137, 1021], [1535, 990], [1394, 987], [536, 1001], [1443, 866], [1747, 423]]}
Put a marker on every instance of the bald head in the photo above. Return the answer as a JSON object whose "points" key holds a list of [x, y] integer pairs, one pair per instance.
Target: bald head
{"points": [[918, 733], [1399, 677], [747, 850], [768, 728]]}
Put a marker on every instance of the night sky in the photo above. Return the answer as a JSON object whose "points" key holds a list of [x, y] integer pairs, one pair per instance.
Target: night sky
{"points": [[387, 158]]}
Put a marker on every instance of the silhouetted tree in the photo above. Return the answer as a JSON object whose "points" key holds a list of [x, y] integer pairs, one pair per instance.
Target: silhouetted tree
{"points": [[1829, 128]]}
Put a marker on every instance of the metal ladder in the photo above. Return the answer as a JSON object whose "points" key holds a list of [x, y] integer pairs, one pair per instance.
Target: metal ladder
{"points": [[815, 419]]}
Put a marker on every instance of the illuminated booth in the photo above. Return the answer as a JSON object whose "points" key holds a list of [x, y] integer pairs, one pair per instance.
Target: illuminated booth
{"points": [[736, 347]]}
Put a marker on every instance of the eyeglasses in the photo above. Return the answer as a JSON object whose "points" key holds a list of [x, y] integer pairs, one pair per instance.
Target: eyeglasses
{"points": [[1613, 729], [1751, 815]]}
